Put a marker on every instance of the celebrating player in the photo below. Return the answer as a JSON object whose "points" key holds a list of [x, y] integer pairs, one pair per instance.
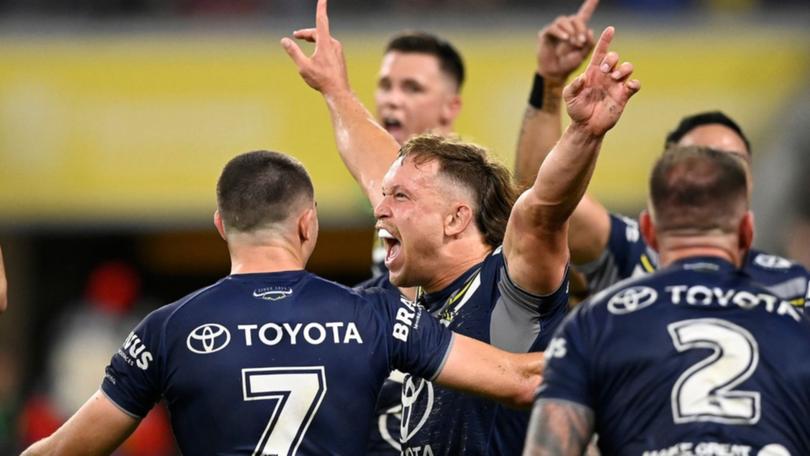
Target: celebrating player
{"points": [[272, 359], [442, 211], [695, 362], [608, 247]]}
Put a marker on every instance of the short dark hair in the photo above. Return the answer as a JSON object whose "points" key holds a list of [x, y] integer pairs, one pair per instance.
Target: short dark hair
{"points": [[260, 188], [469, 165], [697, 189], [450, 60], [689, 123]]}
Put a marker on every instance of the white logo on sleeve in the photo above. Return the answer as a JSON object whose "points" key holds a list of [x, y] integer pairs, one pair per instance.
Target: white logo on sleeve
{"points": [[631, 299], [134, 352], [411, 421], [556, 348], [208, 338]]}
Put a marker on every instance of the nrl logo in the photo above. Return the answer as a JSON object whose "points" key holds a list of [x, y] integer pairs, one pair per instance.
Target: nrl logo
{"points": [[272, 294]]}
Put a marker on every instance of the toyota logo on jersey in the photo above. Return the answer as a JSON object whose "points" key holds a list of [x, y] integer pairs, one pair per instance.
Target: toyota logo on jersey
{"points": [[631, 299], [208, 338]]}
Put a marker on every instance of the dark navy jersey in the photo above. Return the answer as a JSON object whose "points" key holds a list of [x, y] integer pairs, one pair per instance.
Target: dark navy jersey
{"points": [[695, 359], [484, 304], [627, 255], [273, 363]]}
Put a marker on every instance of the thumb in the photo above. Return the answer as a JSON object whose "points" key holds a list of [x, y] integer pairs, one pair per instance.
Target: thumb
{"points": [[294, 51], [574, 88]]}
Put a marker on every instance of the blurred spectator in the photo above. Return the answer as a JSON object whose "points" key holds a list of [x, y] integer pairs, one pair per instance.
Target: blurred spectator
{"points": [[85, 340]]}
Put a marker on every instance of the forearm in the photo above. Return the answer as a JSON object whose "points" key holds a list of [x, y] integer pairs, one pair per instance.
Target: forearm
{"points": [[364, 146], [559, 428], [479, 368], [540, 130], [563, 177]]}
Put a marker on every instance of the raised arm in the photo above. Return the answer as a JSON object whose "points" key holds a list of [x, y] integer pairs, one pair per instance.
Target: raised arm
{"points": [[3, 285], [562, 46], [98, 428], [365, 147], [536, 240], [559, 428], [559, 54], [478, 368]]}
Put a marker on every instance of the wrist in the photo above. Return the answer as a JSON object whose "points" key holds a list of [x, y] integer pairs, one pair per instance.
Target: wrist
{"points": [[581, 133], [545, 95]]}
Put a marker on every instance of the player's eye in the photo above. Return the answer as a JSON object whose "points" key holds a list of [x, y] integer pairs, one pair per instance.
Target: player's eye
{"points": [[412, 87], [384, 84]]}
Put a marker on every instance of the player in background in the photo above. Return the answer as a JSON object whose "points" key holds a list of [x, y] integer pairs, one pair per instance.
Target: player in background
{"points": [[3, 285], [500, 284], [607, 247], [690, 359], [273, 359]]}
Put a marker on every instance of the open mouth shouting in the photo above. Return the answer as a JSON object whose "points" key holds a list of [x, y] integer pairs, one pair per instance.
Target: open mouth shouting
{"points": [[393, 126], [392, 246]]}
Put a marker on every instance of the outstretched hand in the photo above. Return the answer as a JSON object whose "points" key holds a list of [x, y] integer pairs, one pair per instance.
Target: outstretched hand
{"points": [[596, 99], [563, 45], [325, 69]]}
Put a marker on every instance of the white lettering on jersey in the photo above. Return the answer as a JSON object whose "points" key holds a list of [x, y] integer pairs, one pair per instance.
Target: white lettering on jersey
{"points": [[313, 333], [405, 319], [418, 451], [134, 352], [556, 348], [700, 295]]}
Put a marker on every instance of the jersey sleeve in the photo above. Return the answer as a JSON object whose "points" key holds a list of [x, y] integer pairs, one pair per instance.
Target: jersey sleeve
{"points": [[625, 251], [519, 316], [417, 342], [567, 374], [132, 379]]}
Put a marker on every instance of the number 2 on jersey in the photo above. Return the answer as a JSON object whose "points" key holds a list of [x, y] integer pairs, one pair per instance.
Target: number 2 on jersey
{"points": [[298, 392], [705, 392]]}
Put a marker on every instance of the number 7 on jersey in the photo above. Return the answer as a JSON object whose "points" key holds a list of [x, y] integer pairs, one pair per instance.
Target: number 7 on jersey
{"points": [[298, 392]]}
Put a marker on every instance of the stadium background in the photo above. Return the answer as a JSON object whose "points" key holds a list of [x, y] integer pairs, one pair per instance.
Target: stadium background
{"points": [[116, 118]]}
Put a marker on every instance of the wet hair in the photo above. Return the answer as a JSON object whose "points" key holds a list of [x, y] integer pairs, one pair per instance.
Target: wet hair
{"points": [[450, 60], [689, 123], [470, 166], [697, 189], [258, 189]]}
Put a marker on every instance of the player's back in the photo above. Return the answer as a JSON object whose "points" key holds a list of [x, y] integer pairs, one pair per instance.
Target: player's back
{"points": [[695, 359], [272, 363]]}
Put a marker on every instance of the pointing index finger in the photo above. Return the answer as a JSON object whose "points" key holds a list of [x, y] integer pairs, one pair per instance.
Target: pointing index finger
{"points": [[322, 20], [586, 10], [601, 49]]}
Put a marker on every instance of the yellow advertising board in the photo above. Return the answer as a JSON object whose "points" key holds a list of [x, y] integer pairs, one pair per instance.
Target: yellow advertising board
{"points": [[134, 128]]}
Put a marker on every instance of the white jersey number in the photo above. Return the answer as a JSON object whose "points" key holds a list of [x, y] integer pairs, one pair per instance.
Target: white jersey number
{"points": [[705, 392], [298, 392]]}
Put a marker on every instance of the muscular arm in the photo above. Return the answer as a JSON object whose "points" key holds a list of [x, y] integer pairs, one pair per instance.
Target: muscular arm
{"points": [[478, 368], [365, 147], [560, 51], [536, 240], [98, 428], [559, 428]]}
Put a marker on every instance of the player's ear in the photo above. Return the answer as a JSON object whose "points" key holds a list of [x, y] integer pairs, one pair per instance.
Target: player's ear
{"points": [[458, 219], [647, 227], [746, 231], [451, 109], [308, 226], [218, 223]]}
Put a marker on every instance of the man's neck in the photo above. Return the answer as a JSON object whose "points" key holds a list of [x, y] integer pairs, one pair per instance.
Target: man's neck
{"points": [[677, 248], [458, 259], [271, 258]]}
